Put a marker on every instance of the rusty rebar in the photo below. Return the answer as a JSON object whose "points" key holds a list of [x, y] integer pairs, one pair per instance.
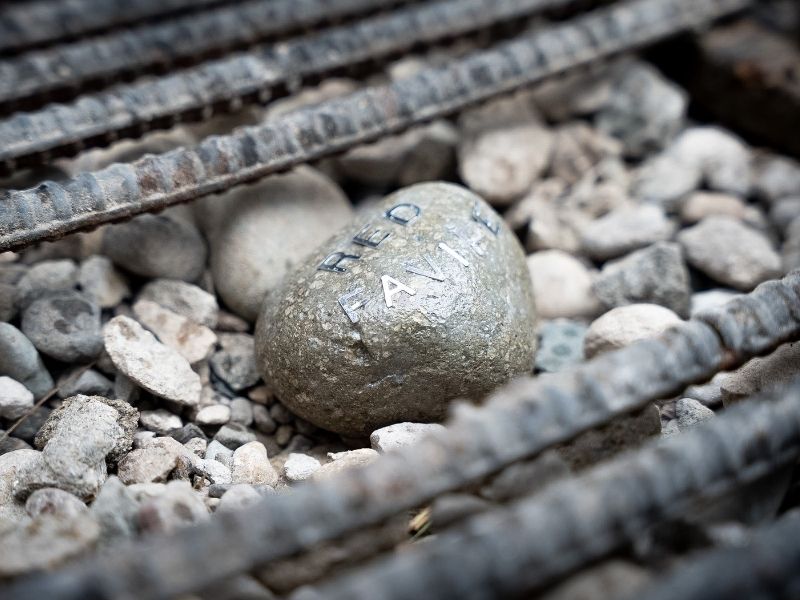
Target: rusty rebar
{"points": [[264, 73], [517, 422], [34, 77], [121, 191]]}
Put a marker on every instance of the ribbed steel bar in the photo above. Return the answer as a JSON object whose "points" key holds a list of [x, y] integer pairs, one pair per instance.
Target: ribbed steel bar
{"points": [[151, 183], [508, 552], [767, 566], [264, 73], [27, 24], [516, 423], [34, 77]]}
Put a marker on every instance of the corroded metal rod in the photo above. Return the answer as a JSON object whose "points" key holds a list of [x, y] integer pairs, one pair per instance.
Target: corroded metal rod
{"points": [[517, 422], [154, 182], [260, 74]]}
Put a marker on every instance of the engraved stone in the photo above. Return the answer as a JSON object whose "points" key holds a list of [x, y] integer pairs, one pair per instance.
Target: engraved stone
{"points": [[442, 309]]}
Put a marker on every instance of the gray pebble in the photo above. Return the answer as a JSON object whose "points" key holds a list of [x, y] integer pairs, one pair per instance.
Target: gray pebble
{"points": [[184, 299], [690, 412], [235, 362], [242, 411], [20, 360], [188, 432], [341, 461], [216, 472], [665, 180], [560, 345], [216, 451], [784, 212], [115, 509], [161, 421], [176, 507], [280, 414], [55, 502], [299, 443], [723, 159], [776, 177], [44, 277], [215, 414], [562, 285], [102, 283], [234, 435], [626, 229], [152, 464], [283, 435], [263, 421], [578, 148], [15, 399], [88, 383], [34, 420], [239, 496], [64, 325]]}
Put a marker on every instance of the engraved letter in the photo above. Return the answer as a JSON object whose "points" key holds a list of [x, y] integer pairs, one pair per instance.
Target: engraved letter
{"points": [[365, 238], [331, 262], [398, 287], [491, 225], [350, 309], [403, 213], [435, 273], [454, 254]]}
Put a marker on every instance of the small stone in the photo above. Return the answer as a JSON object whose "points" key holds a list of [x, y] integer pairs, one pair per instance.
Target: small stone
{"points": [[64, 325], [218, 452], [54, 502], [184, 299], [157, 368], [359, 348], [20, 360], [654, 275], [44, 277], [235, 363], [176, 507], [34, 421], [84, 381], [186, 457], [231, 323], [723, 159], [263, 421], [504, 149], [784, 212], [645, 111], [216, 472], [690, 412], [234, 435], [115, 510], [251, 465], [299, 443], [573, 94], [625, 325], [665, 180], [730, 252], [141, 437], [102, 283], [280, 414], [700, 205], [341, 461], [15, 399], [562, 285], [578, 148], [299, 467], [242, 411], [258, 239], [626, 229], [216, 414], [560, 345], [147, 465], [763, 373], [8, 302], [187, 432], [161, 421], [283, 435], [193, 341], [401, 435], [157, 246], [710, 299], [239, 496], [196, 445], [708, 394], [670, 429], [776, 177]]}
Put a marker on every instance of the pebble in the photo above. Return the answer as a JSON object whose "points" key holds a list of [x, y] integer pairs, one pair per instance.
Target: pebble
{"points": [[401, 435], [157, 246], [55, 502], [216, 472], [8, 302], [157, 368], [235, 362], [183, 298], [84, 381], [342, 461], [560, 345], [784, 212], [708, 394], [15, 399], [161, 421], [284, 434], [115, 509], [195, 445], [102, 283], [722, 158], [625, 325], [709, 299], [251, 465], [242, 411], [263, 421], [624, 230], [193, 341], [176, 507], [504, 149], [20, 360], [690, 412], [790, 251], [267, 228], [776, 177], [562, 285], [700, 205], [218, 452], [346, 352], [578, 148], [239, 496], [665, 180], [216, 414], [730, 253], [645, 111], [654, 275], [234, 435], [147, 465], [299, 467], [46, 276], [64, 325], [34, 420]]}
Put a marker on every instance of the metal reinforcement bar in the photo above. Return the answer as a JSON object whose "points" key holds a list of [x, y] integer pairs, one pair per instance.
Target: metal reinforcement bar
{"points": [[32, 78], [261, 74], [517, 422], [27, 24], [511, 551], [123, 190], [767, 566]]}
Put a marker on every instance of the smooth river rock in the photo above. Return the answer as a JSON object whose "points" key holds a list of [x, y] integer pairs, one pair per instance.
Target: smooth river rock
{"points": [[424, 298]]}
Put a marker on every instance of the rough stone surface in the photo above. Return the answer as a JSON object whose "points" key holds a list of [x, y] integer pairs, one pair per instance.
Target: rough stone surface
{"points": [[341, 461], [20, 360], [102, 283], [578, 148], [64, 325], [184, 299], [626, 229], [157, 368], [216, 472], [235, 362], [721, 157], [193, 341], [622, 326], [84, 381], [15, 399], [562, 285], [115, 510], [730, 252], [654, 275], [161, 421], [251, 465], [46, 276], [357, 349], [299, 467], [55, 502], [690, 412], [266, 229], [147, 465], [400, 435], [760, 374], [560, 345], [157, 246]]}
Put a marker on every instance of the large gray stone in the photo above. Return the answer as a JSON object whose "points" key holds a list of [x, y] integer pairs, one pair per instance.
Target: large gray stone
{"points": [[438, 305], [266, 229], [20, 360]]}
